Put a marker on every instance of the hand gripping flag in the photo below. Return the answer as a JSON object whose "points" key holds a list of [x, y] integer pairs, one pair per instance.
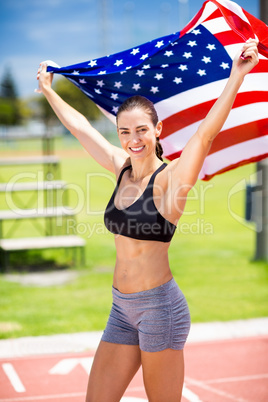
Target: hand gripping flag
{"points": [[183, 74]]}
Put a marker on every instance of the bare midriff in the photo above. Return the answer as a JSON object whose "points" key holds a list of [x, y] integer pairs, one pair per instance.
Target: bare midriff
{"points": [[140, 265]]}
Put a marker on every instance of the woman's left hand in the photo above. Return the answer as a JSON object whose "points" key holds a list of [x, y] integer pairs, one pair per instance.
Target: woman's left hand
{"points": [[247, 58]]}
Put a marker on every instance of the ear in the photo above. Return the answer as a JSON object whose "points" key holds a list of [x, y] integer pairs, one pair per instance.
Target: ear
{"points": [[159, 127]]}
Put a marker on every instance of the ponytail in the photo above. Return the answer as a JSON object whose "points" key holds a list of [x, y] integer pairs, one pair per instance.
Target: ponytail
{"points": [[158, 149]]}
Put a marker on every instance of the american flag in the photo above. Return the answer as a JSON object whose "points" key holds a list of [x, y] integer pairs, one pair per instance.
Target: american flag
{"points": [[183, 74]]}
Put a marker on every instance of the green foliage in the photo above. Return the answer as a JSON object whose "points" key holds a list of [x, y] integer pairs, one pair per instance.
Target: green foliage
{"points": [[9, 105], [73, 96]]}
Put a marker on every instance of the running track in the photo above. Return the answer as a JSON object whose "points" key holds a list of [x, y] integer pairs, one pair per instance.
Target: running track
{"points": [[222, 370]]}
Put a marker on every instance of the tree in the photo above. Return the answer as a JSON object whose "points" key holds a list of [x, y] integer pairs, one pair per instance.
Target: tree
{"points": [[9, 105]]}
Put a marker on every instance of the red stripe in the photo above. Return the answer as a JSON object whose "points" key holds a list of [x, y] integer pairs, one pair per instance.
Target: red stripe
{"points": [[228, 38], [227, 168], [236, 165], [198, 112], [216, 14], [234, 136], [261, 30], [237, 24], [239, 134]]}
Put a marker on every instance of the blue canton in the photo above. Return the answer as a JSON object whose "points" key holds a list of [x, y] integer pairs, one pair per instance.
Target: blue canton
{"points": [[157, 70]]}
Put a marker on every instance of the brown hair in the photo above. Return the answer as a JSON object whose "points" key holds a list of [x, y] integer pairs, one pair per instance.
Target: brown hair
{"points": [[140, 102]]}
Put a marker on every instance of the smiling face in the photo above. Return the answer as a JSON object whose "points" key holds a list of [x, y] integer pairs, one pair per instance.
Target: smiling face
{"points": [[137, 133]]}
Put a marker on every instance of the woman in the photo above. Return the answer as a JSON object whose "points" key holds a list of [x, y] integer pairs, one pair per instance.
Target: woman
{"points": [[149, 320]]}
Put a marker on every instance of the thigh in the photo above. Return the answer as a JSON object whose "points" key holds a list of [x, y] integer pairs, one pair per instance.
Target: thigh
{"points": [[163, 375], [113, 368]]}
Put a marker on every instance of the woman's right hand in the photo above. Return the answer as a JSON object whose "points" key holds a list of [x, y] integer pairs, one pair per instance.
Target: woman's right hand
{"points": [[45, 79]]}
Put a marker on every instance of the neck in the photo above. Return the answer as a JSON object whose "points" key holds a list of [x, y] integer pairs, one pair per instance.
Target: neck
{"points": [[144, 167]]}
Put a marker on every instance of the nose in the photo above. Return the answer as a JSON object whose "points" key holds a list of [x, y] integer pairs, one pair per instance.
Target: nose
{"points": [[135, 139]]}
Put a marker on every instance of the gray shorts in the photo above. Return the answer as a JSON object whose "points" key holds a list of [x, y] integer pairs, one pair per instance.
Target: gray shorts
{"points": [[155, 319]]}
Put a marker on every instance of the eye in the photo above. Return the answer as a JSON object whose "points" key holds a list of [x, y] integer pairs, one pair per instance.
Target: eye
{"points": [[142, 130], [124, 132]]}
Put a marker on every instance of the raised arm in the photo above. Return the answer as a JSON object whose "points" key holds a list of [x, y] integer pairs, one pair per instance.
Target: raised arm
{"points": [[185, 170], [106, 154]]}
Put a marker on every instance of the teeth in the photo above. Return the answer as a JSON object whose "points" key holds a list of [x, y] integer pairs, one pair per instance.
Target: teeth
{"points": [[137, 149]]}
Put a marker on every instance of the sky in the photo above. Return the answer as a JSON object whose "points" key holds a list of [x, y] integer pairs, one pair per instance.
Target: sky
{"points": [[70, 32]]}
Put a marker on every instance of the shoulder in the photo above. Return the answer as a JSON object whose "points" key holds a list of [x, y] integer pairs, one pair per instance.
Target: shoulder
{"points": [[121, 166]]}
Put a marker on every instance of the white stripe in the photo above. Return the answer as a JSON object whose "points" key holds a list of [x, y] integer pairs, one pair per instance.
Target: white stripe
{"points": [[232, 50], [194, 96], [231, 155], [238, 116], [235, 8], [208, 10], [217, 25], [13, 377]]}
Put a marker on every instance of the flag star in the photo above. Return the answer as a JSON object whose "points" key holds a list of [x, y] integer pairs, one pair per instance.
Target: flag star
{"points": [[102, 72], [118, 63], [100, 83], [174, 43], [136, 86], [177, 80], [118, 84], [154, 89], [224, 65], [115, 109], [144, 56], [201, 72], [140, 73], [82, 81], [165, 65], [158, 76], [92, 63], [168, 53], [98, 91], [146, 66], [135, 51], [196, 31], [187, 55], [159, 43], [128, 68], [122, 72], [192, 43], [206, 59], [114, 96], [75, 72], [211, 47], [183, 67]]}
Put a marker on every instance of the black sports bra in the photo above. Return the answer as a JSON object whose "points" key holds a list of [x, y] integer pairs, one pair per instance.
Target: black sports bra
{"points": [[141, 220]]}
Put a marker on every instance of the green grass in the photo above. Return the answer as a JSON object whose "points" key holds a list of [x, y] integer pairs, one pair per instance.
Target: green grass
{"points": [[211, 257]]}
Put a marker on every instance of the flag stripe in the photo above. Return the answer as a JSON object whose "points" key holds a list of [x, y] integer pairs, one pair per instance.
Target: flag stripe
{"points": [[238, 117], [199, 112], [223, 160], [199, 95]]}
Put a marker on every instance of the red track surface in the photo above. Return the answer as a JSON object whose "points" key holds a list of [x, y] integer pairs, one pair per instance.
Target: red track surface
{"points": [[218, 371]]}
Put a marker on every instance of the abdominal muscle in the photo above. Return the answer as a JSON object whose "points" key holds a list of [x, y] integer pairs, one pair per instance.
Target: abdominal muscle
{"points": [[140, 265]]}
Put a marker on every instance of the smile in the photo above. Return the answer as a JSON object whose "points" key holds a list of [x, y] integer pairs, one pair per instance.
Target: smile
{"points": [[137, 149]]}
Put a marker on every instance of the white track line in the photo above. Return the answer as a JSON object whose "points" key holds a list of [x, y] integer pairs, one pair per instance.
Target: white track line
{"points": [[13, 377], [203, 385], [234, 379]]}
